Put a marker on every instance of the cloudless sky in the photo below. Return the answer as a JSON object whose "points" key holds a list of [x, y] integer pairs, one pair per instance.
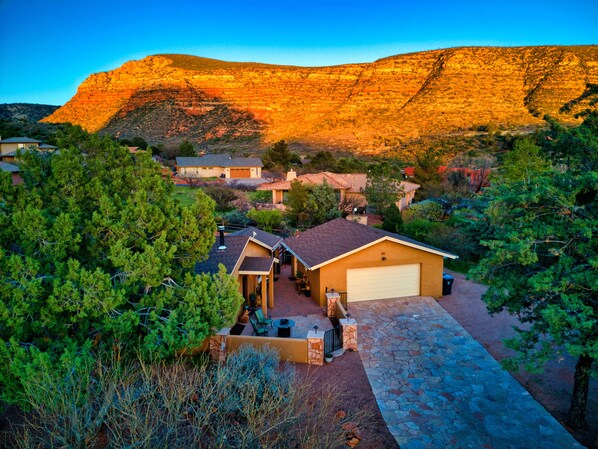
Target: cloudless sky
{"points": [[48, 47]]}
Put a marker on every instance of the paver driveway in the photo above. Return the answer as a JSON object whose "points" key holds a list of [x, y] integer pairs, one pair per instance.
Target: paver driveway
{"points": [[437, 387]]}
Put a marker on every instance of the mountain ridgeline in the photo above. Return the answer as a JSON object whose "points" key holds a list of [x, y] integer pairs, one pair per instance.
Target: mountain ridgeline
{"points": [[367, 107]]}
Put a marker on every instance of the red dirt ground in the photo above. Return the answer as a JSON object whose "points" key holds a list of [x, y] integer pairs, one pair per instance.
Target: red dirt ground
{"points": [[552, 388], [348, 374]]}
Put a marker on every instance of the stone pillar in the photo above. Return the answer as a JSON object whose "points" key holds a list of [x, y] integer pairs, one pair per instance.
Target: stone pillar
{"points": [[331, 299], [349, 333], [218, 345], [315, 348]]}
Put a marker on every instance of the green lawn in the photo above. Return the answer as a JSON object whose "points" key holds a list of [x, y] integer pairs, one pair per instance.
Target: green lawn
{"points": [[186, 195]]}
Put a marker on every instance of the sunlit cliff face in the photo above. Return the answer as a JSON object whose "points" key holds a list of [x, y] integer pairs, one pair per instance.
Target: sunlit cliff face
{"points": [[363, 107]]}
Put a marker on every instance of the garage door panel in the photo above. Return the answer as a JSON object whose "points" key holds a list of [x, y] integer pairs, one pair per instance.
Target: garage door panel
{"points": [[395, 281], [240, 172]]}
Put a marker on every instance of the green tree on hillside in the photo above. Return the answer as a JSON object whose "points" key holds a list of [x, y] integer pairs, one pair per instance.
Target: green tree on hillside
{"points": [[279, 156], [186, 149], [523, 162], [426, 168], [96, 253], [322, 160], [542, 257]]}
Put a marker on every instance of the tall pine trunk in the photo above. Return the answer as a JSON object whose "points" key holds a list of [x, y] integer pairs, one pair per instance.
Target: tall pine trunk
{"points": [[579, 401]]}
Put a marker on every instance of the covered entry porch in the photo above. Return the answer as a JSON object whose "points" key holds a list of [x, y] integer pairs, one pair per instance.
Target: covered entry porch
{"points": [[257, 278]]}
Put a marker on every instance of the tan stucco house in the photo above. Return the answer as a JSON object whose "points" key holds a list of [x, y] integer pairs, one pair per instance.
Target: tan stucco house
{"points": [[366, 262], [220, 166], [9, 147], [349, 187], [249, 256]]}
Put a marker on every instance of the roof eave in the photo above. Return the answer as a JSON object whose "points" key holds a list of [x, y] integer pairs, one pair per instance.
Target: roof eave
{"points": [[367, 245], [305, 264]]}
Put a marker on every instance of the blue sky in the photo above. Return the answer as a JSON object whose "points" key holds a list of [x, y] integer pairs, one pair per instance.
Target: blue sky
{"points": [[54, 45]]}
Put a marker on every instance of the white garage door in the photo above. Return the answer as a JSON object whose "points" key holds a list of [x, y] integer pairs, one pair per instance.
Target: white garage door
{"points": [[396, 281]]}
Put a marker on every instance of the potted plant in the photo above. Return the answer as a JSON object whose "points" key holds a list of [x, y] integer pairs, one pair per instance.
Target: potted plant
{"points": [[328, 357]]}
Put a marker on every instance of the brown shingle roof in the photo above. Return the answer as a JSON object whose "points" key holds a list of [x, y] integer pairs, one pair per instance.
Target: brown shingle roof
{"points": [[266, 238], [256, 265], [335, 238], [228, 257]]}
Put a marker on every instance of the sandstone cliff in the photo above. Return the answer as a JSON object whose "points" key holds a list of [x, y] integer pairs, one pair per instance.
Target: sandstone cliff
{"points": [[364, 107]]}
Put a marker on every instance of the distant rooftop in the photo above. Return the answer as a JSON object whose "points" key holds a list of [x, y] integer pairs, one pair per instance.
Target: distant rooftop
{"points": [[9, 167], [20, 140], [218, 160]]}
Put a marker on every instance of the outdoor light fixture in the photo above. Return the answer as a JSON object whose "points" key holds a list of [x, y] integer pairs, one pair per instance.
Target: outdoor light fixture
{"points": [[316, 329]]}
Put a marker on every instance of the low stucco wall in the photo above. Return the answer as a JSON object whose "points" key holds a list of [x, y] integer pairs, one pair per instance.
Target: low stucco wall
{"points": [[290, 349]]}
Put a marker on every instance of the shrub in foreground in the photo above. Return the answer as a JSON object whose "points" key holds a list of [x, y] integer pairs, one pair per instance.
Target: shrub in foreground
{"points": [[247, 402]]}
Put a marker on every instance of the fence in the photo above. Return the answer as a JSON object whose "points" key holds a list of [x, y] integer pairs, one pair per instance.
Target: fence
{"points": [[343, 296], [333, 339]]}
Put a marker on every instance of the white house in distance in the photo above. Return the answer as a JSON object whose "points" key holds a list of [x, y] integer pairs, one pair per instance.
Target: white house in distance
{"points": [[220, 166]]}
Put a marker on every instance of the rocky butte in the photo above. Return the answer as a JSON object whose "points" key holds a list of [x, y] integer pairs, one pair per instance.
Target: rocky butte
{"points": [[359, 107]]}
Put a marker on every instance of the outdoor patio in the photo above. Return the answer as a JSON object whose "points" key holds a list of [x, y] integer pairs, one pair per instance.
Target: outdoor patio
{"points": [[304, 311]]}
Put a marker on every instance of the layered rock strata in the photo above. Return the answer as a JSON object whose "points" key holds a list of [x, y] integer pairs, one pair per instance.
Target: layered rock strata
{"points": [[367, 107]]}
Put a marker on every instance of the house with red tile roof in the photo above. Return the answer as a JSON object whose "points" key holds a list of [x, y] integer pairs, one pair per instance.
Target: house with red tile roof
{"points": [[350, 187]]}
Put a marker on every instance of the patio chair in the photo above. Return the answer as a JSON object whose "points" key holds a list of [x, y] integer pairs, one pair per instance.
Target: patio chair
{"points": [[260, 331], [261, 319]]}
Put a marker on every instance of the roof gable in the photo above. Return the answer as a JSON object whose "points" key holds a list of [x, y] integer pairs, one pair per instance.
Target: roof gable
{"points": [[229, 257], [339, 238], [270, 240]]}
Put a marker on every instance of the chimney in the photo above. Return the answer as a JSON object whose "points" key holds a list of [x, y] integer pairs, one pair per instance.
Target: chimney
{"points": [[222, 246], [292, 174]]}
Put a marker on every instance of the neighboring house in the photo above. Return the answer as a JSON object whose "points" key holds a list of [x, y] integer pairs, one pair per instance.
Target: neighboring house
{"points": [[249, 256], [9, 147], [349, 187], [219, 165], [367, 263], [14, 171], [12, 144]]}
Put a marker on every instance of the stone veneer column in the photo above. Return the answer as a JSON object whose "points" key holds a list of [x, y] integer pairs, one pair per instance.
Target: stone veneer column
{"points": [[349, 333], [331, 299], [218, 345], [315, 347]]}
